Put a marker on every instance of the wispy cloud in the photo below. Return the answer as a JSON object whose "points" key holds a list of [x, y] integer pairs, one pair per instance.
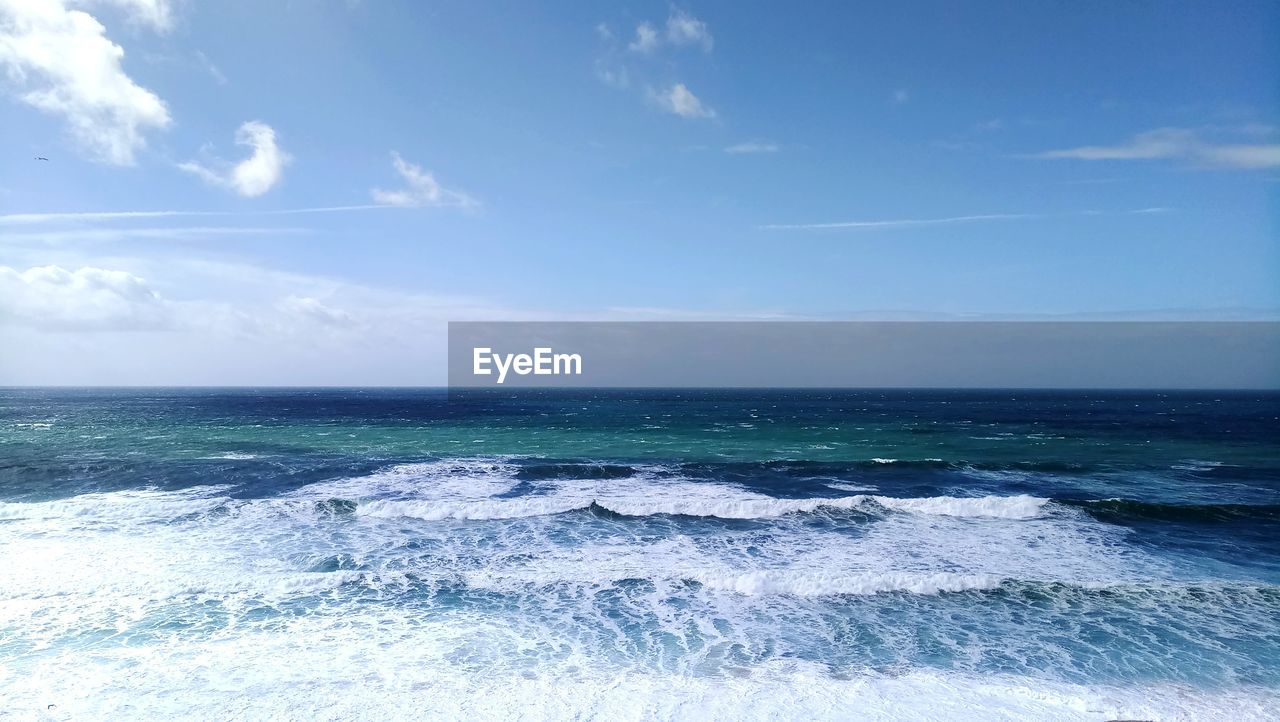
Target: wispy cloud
{"points": [[158, 14], [908, 222], [678, 99], [972, 138], [753, 146], [684, 29], [316, 310], [681, 29], [17, 219], [253, 176], [421, 189], [646, 39], [178, 233], [900, 96], [613, 76], [1184, 144], [210, 68], [75, 217]]}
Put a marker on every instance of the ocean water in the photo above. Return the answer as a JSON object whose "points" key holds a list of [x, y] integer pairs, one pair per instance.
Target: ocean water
{"points": [[348, 554]]}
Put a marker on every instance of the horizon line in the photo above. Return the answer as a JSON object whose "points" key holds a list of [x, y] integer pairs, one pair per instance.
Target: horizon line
{"points": [[503, 389]]}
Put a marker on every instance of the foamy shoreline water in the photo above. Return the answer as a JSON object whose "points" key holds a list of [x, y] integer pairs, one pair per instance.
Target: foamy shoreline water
{"points": [[358, 682]]}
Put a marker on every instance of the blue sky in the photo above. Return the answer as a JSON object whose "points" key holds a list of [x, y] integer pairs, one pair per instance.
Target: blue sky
{"points": [[592, 160]]}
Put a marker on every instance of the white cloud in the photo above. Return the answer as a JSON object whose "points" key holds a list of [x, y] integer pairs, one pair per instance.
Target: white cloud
{"points": [[61, 61], [646, 39], [422, 190], [681, 29], [623, 65], [1178, 144], [254, 175], [684, 29], [753, 146], [900, 96], [87, 299], [680, 100]]}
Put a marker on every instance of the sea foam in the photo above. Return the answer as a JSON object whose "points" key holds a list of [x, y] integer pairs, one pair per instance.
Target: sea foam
{"points": [[725, 506]]}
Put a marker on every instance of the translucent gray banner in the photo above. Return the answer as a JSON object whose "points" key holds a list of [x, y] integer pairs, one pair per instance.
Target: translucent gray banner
{"points": [[1001, 354]]}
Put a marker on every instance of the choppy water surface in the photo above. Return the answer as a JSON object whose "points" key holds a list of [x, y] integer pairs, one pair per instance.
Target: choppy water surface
{"points": [[639, 555]]}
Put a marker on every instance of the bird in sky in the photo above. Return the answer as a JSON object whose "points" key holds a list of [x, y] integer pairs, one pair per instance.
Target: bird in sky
{"points": [[40, 157]]}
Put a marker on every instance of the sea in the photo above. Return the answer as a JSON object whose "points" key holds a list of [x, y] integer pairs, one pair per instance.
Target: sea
{"points": [[639, 554]]}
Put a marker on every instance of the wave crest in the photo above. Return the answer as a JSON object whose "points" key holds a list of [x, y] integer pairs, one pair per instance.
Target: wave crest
{"points": [[823, 584], [744, 507]]}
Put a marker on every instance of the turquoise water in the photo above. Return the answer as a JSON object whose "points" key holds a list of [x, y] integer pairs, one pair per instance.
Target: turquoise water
{"points": [[640, 555]]}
